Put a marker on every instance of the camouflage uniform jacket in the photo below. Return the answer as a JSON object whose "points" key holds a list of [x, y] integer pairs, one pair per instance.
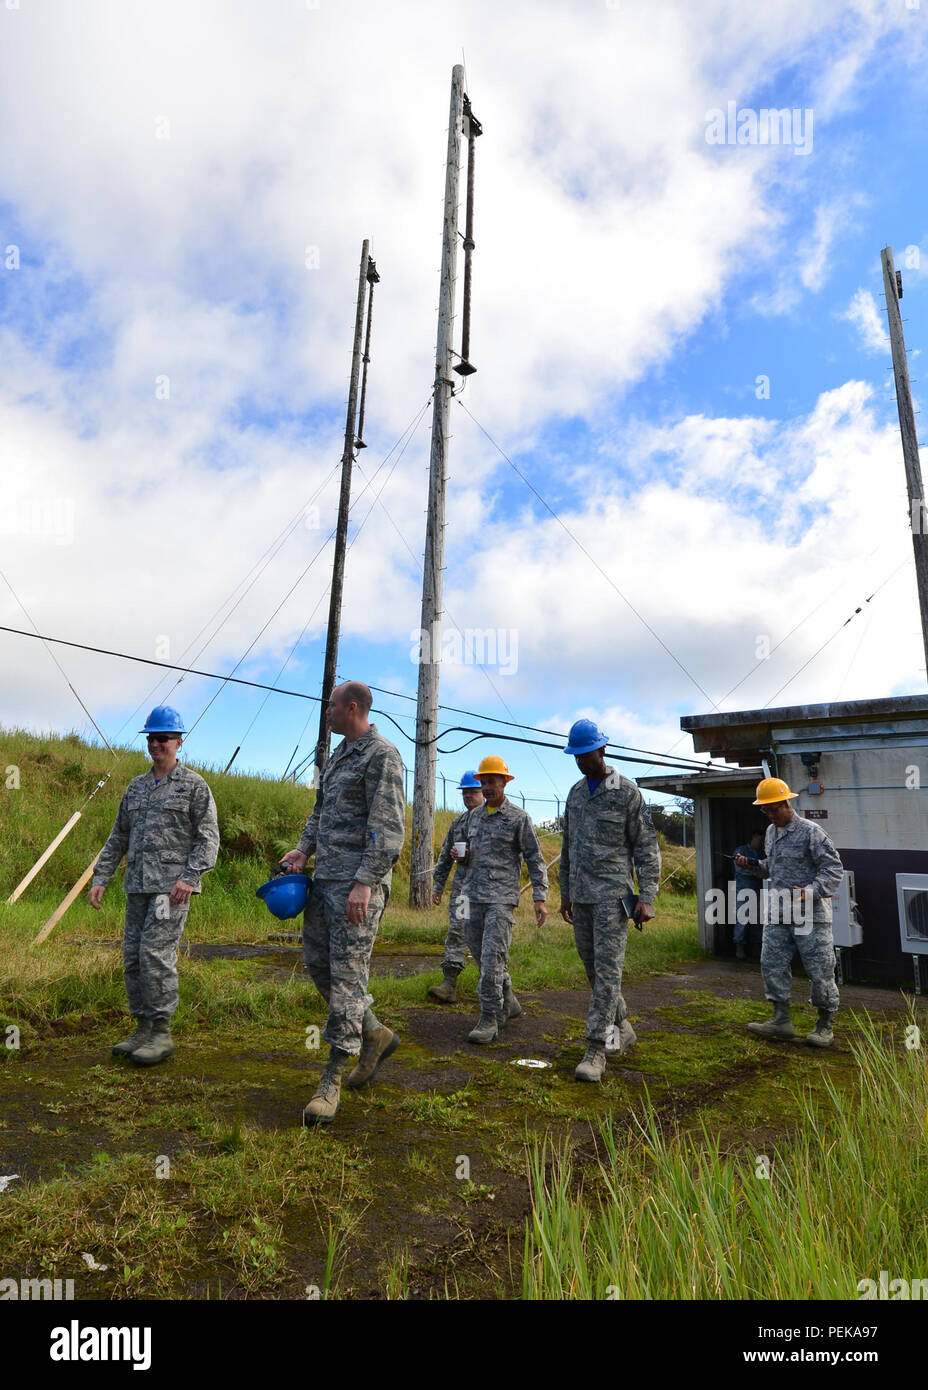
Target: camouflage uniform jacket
{"points": [[603, 834], [496, 846], [801, 855], [358, 823], [444, 864], [167, 832]]}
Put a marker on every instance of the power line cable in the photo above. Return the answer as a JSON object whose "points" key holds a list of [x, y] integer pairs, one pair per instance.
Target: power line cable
{"points": [[830, 639], [304, 695], [283, 668], [410, 434], [64, 673], [802, 621], [257, 569], [302, 576], [460, 632], [863, 634], [533, 728], [580, 546], [640, 617]]}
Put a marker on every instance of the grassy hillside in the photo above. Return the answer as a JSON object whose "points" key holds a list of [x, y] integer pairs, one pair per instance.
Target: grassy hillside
{"points": [[259, 819]]}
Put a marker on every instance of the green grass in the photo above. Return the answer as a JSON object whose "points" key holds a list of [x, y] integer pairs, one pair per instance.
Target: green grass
{"points": [[668, 1204], [259, 819], [681, 1218], [232, 1216]]}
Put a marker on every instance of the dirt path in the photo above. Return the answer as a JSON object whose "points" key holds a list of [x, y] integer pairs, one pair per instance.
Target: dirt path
{"points": [[439, 1100]]}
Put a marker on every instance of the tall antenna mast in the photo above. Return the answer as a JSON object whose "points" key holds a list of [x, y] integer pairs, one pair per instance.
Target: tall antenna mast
{"points": [[423, 805], [918, 512], [367, 278]]}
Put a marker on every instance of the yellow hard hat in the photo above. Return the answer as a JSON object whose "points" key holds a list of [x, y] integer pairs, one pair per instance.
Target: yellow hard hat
{"points": [[771, 790], [493, 766]]}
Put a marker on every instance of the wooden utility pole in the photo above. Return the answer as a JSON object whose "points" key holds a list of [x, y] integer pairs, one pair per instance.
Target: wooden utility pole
{"points": [[423, 804], [341, 531], [918, 511]]}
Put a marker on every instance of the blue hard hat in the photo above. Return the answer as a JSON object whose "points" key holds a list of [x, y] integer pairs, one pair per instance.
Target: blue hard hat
{"points": [[468, 781], [585, 737], [285, 895], [164, 720]]}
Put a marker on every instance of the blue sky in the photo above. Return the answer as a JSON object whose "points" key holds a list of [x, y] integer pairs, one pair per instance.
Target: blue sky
{"points": [[632, 283]]}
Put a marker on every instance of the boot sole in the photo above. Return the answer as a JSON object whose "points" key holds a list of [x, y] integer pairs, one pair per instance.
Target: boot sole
{"points": [[442, 998], [150, 1062], [310, 1121], [820, 1045], [773, 1037], [387, 1052]]}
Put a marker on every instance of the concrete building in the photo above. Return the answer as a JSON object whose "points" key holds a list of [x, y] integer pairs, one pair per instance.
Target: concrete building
{"points": [[861, 769]]}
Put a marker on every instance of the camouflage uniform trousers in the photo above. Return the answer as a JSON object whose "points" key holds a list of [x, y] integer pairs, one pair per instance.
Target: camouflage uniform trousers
{"points": [[338, 956], [456, 940], [817, 952], [154, 926], [488, 930], [601, 935]]}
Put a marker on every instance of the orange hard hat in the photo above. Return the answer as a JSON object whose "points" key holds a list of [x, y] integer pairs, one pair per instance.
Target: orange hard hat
{"points": [[493, 766], [771, 790]]}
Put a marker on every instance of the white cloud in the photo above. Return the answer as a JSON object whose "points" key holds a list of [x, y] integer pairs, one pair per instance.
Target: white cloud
{"points": [[718, 579], [863, 313], [606, 230]]}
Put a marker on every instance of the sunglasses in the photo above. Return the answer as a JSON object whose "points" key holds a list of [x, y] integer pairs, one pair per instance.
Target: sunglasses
{"points": [[161, 738]]}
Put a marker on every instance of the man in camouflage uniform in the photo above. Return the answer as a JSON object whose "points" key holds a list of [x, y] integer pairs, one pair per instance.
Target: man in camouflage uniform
{"points": [[747, 888], [607, 828], [167, 828], [805, 870], [455, 942], [499, 836], [356, 832]]}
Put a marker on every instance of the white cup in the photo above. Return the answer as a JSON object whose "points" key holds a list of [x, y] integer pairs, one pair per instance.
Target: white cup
{"points": [[461, 847]]}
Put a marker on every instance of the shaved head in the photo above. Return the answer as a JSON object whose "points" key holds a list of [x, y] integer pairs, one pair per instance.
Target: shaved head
{"points": [[358, 692]]}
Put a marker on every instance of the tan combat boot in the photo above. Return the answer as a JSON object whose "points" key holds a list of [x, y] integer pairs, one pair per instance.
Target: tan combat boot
{"points": [[157, 1047], [593, 1064], [446, 992], [376, 1046], [139, 1037], [323, 1107], [780, 1026], [511, 1005], [485, 1031], [821, 1035]]}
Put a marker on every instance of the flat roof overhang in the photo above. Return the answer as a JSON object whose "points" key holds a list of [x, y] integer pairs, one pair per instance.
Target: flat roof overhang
{"points": [[737, 783], [744, 736]]}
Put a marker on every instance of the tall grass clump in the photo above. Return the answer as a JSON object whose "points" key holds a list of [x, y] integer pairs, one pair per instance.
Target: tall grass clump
{"points": [[670, 1216]]}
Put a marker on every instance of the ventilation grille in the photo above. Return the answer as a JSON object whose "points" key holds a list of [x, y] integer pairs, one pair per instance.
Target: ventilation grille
{"points": [[915, 907]]}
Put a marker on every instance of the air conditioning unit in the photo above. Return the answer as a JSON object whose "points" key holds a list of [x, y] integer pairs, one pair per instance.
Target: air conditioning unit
{"points": [[912, 898], [845, 922]]}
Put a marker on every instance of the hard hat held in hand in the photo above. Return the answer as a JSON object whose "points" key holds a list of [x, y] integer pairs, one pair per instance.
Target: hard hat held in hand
{"points": [[771, 790], [493, 766], [285, 894]]}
